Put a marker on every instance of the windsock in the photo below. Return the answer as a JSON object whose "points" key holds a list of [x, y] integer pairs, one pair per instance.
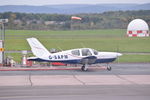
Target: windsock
{"points": [[76, 18]]}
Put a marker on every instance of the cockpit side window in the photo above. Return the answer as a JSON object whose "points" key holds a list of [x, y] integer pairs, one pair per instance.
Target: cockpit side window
{"points": [[86, 52], [95, 52], [75, 52]]}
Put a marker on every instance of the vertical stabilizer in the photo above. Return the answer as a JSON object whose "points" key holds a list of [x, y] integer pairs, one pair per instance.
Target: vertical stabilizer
{"points": [[37, 48]]}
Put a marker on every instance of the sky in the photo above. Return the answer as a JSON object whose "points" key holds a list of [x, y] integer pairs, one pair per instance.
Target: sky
{"points": [[56, 2]]}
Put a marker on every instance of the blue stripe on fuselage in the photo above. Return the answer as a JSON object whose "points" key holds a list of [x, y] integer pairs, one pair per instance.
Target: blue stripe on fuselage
{"points": [[78, 61]]}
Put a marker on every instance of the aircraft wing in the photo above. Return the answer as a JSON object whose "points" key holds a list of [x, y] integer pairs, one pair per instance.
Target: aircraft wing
{"points": [[88, 60]]}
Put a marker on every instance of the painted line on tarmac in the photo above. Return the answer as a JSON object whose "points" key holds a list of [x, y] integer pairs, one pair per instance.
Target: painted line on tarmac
{"points": [[38, 69], [47, 69]]}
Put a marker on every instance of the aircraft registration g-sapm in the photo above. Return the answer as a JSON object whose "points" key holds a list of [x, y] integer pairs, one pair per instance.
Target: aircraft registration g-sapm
{"points": [[83, 56]]}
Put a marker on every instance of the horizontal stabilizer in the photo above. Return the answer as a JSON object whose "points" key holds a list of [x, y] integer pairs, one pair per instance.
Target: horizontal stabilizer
{"points": [[36, 59]]}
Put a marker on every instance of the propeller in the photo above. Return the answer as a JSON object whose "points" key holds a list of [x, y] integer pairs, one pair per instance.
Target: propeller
{"points": [[118, 53]]}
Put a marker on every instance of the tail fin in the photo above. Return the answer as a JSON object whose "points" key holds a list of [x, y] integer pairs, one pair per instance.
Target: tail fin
{"points": [[37, 48]]}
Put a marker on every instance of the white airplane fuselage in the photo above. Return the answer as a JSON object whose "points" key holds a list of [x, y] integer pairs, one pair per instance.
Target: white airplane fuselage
{"points": [[69, 58], [84, 56]]}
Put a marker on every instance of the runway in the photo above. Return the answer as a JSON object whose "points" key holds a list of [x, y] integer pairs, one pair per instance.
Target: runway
{"points": [[125, 81], [92, 92]]}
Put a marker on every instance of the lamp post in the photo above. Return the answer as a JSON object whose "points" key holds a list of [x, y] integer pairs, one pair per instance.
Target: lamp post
{"points": [[2, 39]]}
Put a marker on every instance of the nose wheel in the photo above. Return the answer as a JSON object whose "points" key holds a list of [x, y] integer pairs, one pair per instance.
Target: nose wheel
{"points": [[84, 68], [108, 68]]}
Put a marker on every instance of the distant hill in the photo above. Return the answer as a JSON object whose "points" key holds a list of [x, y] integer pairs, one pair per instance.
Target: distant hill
{"points": [[74, 9]]}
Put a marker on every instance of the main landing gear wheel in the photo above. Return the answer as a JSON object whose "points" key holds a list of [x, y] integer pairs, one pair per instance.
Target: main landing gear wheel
{"points": [[108, 68], [83, 68]]}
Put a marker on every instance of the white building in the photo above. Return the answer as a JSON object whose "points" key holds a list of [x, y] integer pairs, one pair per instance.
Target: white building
{"points": [[138, 28]]}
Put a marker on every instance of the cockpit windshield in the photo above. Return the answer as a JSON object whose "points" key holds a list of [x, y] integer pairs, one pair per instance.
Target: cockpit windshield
{"points": [[95, 52]]}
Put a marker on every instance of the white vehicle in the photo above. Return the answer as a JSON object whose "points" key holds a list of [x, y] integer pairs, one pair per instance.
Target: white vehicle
{"points": [[84, 56]]}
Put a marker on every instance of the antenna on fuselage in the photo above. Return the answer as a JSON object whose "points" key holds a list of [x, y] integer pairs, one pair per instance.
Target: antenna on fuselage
{"points": [[82, 45], [60, 48]]}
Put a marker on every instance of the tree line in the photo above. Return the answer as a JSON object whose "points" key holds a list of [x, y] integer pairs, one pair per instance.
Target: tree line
{"points": [[106, 20]]}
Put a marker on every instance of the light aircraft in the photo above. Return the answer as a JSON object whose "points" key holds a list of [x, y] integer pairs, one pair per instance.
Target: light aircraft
{"points": [[83, 56]]}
